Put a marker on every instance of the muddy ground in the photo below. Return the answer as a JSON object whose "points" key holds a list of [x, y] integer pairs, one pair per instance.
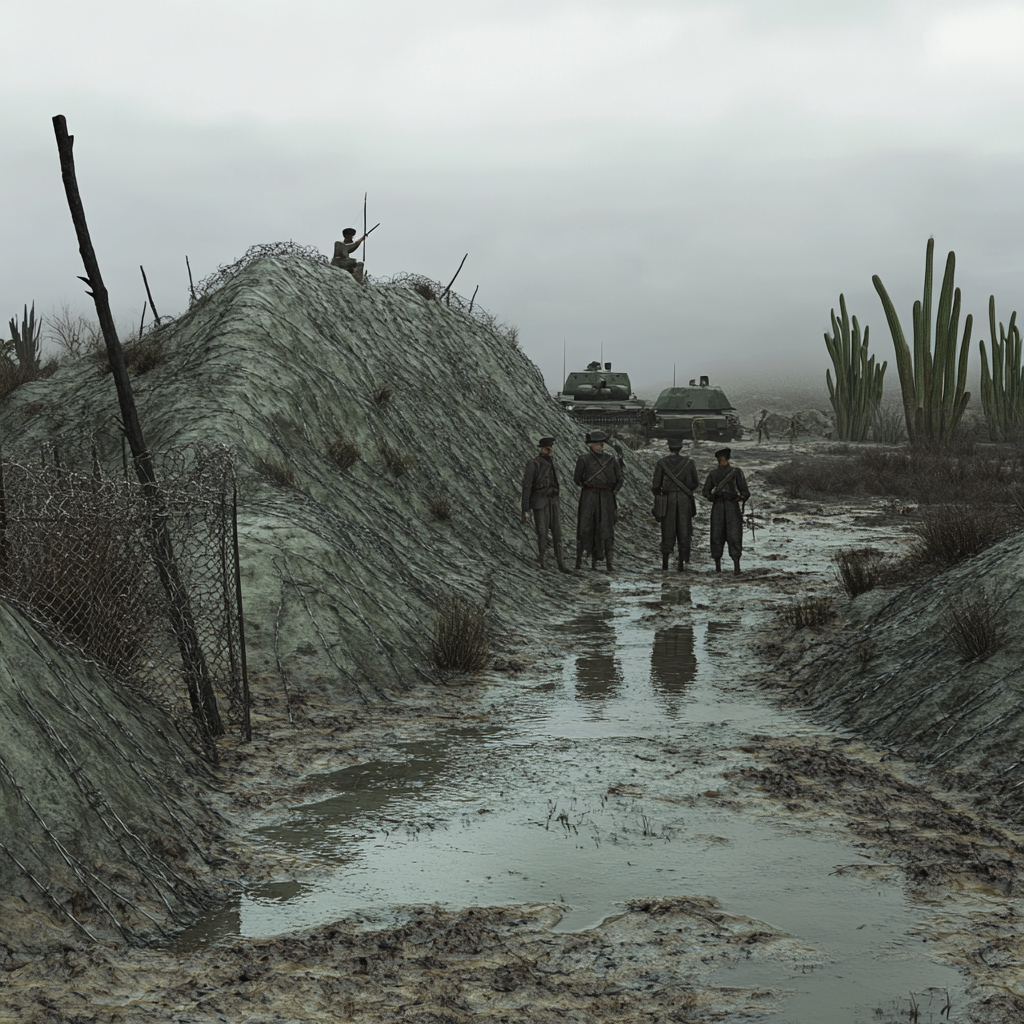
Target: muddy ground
{"points": [[687, 956]]}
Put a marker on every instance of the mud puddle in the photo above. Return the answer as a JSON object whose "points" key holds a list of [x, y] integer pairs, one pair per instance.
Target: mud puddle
{"points": [[602, 784]]}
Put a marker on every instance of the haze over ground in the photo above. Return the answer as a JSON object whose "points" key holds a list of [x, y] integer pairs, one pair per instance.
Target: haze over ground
{"points": [[689, 183]]}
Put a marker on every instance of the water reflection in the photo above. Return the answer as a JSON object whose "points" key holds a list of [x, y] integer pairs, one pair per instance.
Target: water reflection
{"points": [[598, 670], [673, 661]]}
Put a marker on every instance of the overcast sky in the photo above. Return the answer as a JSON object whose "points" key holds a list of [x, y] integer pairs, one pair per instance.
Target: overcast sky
{"points": [[678, 182]]}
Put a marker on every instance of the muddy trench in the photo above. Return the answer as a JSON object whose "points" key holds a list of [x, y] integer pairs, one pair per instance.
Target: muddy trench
{"points": [[628, 826]]}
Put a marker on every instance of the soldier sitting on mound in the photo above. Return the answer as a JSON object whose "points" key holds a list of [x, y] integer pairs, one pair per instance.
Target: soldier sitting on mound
{"points": [[343, 254]]}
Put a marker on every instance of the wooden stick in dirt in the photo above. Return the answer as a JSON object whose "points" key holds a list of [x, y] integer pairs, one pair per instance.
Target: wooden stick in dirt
{"points": [[156, 315], [191, 287], [142, 319], [452, 281], [473, 299], [365, 232], [196, 673]]}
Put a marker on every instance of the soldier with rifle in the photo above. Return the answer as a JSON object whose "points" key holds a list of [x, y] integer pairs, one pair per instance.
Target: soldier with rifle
{"points": [[726, 487], [343, 253], [540, 494], [674, 483], [599, 476]]}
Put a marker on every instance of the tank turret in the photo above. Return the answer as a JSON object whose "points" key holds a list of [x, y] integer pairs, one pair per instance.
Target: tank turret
{"points": [[678, 409], [598, 397]]}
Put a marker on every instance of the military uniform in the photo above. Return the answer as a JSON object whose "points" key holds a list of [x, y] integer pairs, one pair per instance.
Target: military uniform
{"points": [[675, 477], [343, 258], [600, 477], [730, 488], [540, 495]]}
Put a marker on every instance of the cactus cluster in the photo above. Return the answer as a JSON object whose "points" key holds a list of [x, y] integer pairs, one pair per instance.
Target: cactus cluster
{"points": [[1002, 390], [27, 340], [857, 391], [932, 383]]}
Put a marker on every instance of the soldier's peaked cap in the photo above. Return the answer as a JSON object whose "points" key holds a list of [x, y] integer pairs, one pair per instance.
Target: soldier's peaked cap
{"points": [[675, 443], [723, 453], [545, 442], [596, 437], [349, 231]]}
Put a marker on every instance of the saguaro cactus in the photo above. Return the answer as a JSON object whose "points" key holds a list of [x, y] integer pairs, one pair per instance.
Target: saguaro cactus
{"points": [[1002, 390], [932, 383], [857, 391]]}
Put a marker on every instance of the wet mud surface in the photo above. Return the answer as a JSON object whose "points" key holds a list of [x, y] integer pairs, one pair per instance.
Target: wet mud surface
{"points": [[627, 829]]}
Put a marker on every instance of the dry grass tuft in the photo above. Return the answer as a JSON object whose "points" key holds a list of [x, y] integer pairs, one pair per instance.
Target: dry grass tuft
{"points": [[949, 533], [277, 472], [397, 461], [811, 611], [975, 628], [13, 375], [859, 569], [140, 354], [460, 640], [343, 453], [426, 289]]}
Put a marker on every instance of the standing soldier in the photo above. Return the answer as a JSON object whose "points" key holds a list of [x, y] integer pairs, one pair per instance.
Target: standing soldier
{"points": [[599, 476], [675, 480], [726, 487], [540, 493], [343, 254]]}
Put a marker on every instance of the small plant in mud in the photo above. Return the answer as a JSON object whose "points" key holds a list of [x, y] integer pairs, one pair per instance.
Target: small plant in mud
{"points": [[441, 507], [859, 569], [811, 611], [275, 471], [460, 641], [975, 628], [397, 461], [950, 533], [383, 391], [343, 453]]}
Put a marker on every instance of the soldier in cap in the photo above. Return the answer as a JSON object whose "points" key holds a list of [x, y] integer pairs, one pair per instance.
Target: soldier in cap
{"points": [[343, 254], [726, 487], [600, 477], [675, 478], [540, 493]]}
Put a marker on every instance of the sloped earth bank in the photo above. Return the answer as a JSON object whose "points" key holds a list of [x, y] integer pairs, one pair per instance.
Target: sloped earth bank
{"points": [[625, 829]]}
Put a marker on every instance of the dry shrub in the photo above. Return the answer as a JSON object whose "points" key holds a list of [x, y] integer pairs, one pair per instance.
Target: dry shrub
{"points": [[812, 611], [460, 640], [397, 461], [278, 472], [888, 425], [859, 569], [949, 533], [382, 391], [343, 453], [75, 335], [140, 354], [441, 507], [86, 578], [975, 628], [13, 375], [424, 288]]}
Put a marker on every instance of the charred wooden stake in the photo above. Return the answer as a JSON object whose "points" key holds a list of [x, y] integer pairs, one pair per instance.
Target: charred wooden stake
{"points": [[452, 281], [197, 676], [149, 294]]}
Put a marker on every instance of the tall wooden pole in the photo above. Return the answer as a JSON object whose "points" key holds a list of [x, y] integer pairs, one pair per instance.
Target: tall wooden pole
{"points": [[197, 677]]}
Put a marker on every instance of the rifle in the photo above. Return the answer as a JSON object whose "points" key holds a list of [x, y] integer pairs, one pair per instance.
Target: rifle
{"points": [[722, 483]]}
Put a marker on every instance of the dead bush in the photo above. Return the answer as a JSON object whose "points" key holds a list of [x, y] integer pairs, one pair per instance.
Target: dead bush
{"points": [[13, 375], [382, 391], [75, 335], [859, 569], [888, 425], [460, 639], [343, 453], [975, 628], [140, 354], [425, 288], [441, 507], [278, 472], [811, 611], [949, 533], [397, 461], [87, 579]]}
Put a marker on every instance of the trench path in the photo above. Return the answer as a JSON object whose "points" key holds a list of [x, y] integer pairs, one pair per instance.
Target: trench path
{"points": [[589, 789]]}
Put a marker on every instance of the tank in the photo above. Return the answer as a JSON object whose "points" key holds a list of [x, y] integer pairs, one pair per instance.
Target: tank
{"points": [[597, 397], [677, 409]]}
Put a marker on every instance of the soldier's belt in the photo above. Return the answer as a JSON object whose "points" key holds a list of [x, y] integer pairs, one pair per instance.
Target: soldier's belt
{"points": [[598, 487], [727, 497]]}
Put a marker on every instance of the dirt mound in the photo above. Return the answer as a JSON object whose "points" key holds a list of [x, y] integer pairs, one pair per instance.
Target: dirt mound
{"points": [[380, 437], [896, 674], [102, 827]]}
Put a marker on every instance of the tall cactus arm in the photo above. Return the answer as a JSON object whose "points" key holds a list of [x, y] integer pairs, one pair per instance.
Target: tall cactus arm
{"points": [[923, 330], [904, 366], [945, 360]]}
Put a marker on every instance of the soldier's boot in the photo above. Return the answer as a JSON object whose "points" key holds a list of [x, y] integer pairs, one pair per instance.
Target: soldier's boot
{"points": [[736, 566], [664, 563], [560, 561], [718, 565], [682, 565], [608, 557], [593, 565], [579, 556]]}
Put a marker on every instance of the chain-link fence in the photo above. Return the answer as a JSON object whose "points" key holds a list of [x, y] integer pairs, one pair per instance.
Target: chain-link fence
{"points": [[77, 555]]}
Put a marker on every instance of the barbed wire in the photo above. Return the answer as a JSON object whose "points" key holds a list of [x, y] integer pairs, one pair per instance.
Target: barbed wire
{"points": [[277, 250]]}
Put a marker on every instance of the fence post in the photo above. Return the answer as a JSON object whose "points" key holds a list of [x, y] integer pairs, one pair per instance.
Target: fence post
{"points": [[241, 620], [197, 676]]}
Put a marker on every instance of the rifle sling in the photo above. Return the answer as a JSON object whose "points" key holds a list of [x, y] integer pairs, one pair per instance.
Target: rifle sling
{"points": [[682, 486], [604, 466]]}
